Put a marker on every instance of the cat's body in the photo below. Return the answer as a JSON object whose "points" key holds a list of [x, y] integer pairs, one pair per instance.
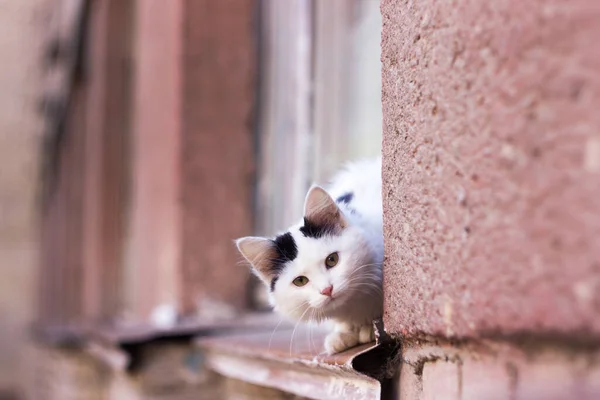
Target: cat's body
{"points": [[328, 266]]}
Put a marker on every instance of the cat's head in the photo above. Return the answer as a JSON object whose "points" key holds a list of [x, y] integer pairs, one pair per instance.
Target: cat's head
{"points": [[314, 269]]}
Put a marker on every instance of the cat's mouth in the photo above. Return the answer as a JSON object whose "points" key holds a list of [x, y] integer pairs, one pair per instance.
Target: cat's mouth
{"points": [[325, 302], [331, 302]]}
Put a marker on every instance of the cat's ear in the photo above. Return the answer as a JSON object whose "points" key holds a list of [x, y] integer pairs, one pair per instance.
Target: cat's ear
{"points": [[259, 252], [321, 209]]}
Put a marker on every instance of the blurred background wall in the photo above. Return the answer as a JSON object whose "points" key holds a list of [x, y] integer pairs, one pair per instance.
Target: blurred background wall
{"points": [[138, 139], [22, 36]]}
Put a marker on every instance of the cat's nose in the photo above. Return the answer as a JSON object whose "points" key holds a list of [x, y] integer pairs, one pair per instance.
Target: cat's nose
{"points": [[327, 291]]}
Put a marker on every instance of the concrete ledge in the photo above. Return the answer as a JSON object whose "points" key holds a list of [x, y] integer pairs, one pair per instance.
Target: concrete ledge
{"points": [[292, 361], [492, 370]]}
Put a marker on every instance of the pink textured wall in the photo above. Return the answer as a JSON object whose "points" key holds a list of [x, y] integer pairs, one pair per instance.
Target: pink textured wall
{"points": [[492, 166]]}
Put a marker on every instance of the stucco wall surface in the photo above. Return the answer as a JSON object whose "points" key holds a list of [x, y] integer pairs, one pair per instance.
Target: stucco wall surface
{"points": [[492, 167]]}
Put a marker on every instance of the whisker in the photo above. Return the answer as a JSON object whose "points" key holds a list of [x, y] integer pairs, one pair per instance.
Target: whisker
{"points": [[296, 326], [374, 284], [369, 277], [360, 268], [351, 282], [368, 285], [281, 320], [364, 273], [273, 333], [370, 293], [367, 265], [310, 330], [366, 291]]}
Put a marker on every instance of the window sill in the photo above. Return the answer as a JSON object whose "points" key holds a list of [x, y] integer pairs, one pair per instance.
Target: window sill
{"points": [[111, 345], [274, 360], [140, 333]]}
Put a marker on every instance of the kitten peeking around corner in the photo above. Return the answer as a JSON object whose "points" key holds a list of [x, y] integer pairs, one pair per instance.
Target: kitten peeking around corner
{"points": [[328, 266]]}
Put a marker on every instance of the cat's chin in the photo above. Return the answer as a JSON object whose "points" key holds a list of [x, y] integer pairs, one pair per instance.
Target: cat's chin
{"points": [[332, 305]]}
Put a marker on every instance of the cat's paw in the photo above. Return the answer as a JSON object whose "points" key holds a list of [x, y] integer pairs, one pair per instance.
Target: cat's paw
{"points": [[337, 342], [366, 334]]}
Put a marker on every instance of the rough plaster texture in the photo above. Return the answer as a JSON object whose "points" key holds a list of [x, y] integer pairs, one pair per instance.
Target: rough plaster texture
{"points": [[491, 166], [217, 149]]}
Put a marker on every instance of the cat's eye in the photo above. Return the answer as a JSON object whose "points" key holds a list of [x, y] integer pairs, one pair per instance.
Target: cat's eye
{"points": [[300, 281], [332, 260]]}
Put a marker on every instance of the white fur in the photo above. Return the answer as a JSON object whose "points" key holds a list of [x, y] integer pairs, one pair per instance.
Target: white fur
{"points": [[356, 279]]}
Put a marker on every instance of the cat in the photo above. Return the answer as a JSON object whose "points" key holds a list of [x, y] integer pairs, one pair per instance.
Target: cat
{"points": [[329, 265]]}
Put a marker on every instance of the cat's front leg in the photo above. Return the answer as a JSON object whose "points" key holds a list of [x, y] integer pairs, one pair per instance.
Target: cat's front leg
{"points": [[343, 337], [366, 334]]}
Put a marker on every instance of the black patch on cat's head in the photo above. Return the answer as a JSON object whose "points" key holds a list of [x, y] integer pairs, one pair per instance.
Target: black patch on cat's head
{"points": [[346, 198], [273, 282], [315, 231], [285, 250], [285, 245]]}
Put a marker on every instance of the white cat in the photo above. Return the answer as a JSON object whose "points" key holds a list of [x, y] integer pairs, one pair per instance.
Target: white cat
{"points": [[328, 266]]}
